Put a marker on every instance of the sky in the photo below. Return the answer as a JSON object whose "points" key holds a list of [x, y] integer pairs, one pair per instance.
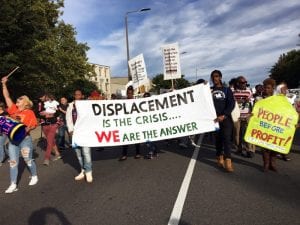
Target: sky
{"points": [[238, 37]]}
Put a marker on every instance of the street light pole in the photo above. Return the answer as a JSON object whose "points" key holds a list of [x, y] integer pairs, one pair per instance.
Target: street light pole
{"points": [[126, 32]]}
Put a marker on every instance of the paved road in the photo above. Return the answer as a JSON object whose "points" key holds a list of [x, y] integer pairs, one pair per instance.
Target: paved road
{"points": [[143, 192]]}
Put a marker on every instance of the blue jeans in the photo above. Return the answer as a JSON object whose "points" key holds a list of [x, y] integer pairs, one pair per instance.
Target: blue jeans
{"points": [[3, 138], [26, 149], [61, 136], [84, 157]]}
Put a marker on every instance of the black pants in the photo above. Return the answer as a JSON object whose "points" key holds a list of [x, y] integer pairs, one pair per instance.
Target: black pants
{"points": [[125, 148], [224, 137]]}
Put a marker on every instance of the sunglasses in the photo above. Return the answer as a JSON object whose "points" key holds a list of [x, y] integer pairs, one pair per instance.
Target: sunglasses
{"points": [[243, 82]]}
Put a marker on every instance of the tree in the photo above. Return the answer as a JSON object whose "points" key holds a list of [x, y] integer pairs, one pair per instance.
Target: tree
{"points": [[45, 48], [81, 84], [287, 69], [160, 83]]}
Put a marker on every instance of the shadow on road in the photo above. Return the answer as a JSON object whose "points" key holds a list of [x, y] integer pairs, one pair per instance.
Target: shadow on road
{"points": [[40, 217]]}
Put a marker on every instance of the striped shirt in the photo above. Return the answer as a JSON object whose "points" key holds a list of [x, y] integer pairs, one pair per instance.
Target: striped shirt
{"points": [[244, 100]]}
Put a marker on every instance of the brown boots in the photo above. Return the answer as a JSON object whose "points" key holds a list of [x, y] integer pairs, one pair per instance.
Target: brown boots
{"points": [[227, 164], [266, 159], [220, 161], [272, 161], [269, 158]]}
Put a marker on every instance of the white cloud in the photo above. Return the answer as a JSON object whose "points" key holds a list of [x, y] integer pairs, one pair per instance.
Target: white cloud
{"points": [[236, 37], [79, 12]]}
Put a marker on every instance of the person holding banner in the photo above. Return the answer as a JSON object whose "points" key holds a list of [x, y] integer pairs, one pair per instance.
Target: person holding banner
{"points": [[224, 104], [83, 153], [130, 94], [151, 146], [20, 111], [269, 157]]}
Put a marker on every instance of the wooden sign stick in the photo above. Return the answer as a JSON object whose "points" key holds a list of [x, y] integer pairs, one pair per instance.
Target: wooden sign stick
{"points": [[12, 71]]}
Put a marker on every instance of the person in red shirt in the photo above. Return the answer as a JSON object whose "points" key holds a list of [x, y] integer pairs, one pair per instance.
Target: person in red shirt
{"points": [[20, 111]]}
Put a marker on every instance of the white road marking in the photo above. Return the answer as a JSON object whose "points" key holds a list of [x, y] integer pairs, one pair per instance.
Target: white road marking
{"points": [[177, 209]]}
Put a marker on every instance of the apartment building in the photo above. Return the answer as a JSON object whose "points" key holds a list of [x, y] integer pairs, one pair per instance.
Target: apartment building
{"points": [[102, 79], [118, 86]]}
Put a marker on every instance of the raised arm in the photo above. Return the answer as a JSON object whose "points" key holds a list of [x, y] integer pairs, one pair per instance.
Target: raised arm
{"points": [[5, 92]]}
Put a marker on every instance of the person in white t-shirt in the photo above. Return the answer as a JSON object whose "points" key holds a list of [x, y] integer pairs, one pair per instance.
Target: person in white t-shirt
{"points": [[282, 89], [50, 106]]}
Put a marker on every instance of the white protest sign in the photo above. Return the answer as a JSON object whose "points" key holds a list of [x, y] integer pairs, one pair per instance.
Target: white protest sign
{"points": [[138, 71], [175, 114], [172, 68]]}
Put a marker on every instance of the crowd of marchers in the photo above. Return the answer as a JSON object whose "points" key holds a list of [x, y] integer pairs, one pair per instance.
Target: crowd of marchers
{"points": [[233, 106]]}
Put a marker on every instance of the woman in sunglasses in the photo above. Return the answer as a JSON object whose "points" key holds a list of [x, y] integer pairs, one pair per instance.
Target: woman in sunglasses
{"points": [[20, 111]]}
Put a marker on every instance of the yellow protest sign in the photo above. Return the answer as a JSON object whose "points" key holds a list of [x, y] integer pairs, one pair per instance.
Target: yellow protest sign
{"points": [[272, 125]]}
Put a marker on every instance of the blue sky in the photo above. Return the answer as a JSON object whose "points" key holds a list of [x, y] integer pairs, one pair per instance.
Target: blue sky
{"points": [[238, 37]]}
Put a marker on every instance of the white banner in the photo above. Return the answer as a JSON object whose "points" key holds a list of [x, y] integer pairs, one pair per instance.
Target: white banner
{"points": [[172, 68], [138, 71], [179, 113]]}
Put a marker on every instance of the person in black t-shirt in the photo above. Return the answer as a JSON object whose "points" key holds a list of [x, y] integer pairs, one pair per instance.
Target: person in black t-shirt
{"points": [[62, 129], [224, 104]]}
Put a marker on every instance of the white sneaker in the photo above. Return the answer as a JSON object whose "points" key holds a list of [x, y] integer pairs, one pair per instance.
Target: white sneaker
{"points": [[33, 180], [12, 188], [195, 145], [89, 177], [80, 176], [183, 145]]}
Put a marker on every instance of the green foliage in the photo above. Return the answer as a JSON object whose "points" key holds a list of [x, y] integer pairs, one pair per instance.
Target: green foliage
{"points": [[160, 83], [287, 69], [45, 48], [81, 84]]}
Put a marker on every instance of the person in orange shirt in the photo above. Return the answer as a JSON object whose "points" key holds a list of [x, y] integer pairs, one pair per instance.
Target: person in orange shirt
{"points": [[20, 111]]}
